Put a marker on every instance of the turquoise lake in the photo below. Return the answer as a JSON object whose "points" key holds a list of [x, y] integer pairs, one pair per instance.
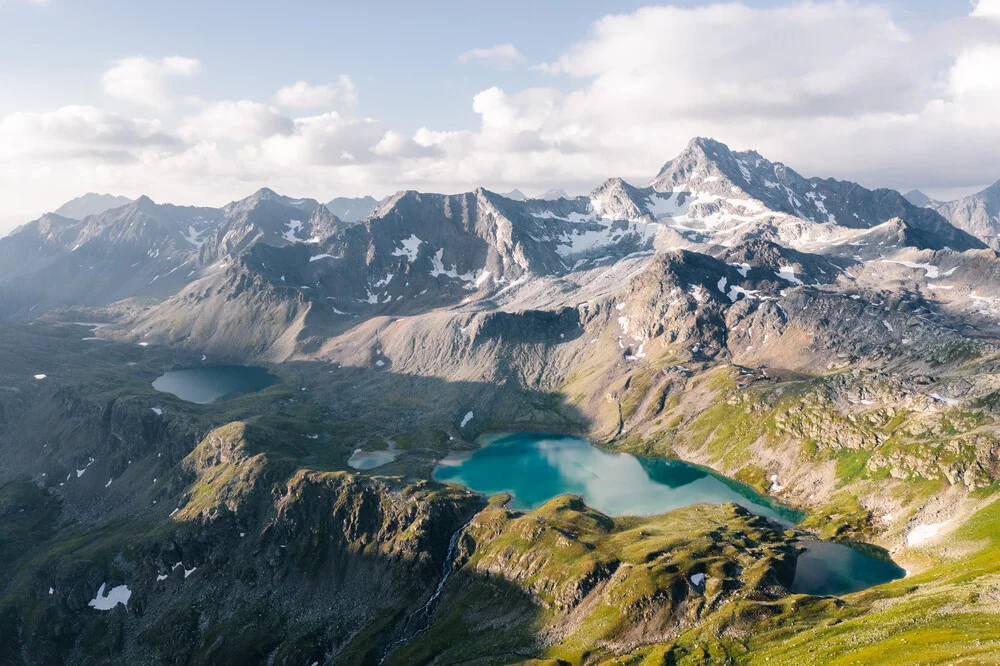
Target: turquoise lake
{"points": [[213, 383], [533, 468]]}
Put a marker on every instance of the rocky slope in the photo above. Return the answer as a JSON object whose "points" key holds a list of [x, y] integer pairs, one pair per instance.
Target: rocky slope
{"points": [[833, 346], [978, 214]]}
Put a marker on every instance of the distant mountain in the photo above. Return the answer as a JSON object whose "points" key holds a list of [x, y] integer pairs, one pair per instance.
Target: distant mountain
{"points": [[352, 209], [552, 195], [515, 195], [979, 214], [417, 251], [91, 204], [918, 198], [144, 249], [728, 311]]}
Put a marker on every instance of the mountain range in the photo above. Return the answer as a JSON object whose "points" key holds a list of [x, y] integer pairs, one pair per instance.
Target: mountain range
{"points": [[832, 347]]}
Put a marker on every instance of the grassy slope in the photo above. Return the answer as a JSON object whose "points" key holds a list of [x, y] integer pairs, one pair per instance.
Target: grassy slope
{"points": [[592, 585], [944, 615], [948, 614]]}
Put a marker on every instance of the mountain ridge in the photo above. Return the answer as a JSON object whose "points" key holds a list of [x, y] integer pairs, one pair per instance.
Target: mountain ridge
{"points": [[978, 214], [833, 347], [89, 204]]}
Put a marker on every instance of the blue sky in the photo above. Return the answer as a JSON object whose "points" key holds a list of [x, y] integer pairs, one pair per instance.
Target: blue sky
{"points": [[539, 119], [392, 49]]}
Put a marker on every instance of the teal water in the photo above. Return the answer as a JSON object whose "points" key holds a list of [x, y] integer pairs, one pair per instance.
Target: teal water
{"points": [[213, 383], [534, 468]]}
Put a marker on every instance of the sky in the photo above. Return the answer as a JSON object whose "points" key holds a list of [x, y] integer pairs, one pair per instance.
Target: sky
{"points": [[204, 102]]}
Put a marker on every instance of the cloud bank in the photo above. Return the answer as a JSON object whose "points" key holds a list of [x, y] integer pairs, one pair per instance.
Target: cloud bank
{"points": [[830, 88]]}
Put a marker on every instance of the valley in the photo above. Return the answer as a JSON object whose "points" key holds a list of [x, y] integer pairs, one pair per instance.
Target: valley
{"points": [[625, 428]]}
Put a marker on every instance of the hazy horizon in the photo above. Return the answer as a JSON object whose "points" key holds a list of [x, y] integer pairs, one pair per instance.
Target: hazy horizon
{"points": [[215, 104]]}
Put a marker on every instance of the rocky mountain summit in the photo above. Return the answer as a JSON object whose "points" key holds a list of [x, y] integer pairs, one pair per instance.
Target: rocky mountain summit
{"points": [[979, 213]]}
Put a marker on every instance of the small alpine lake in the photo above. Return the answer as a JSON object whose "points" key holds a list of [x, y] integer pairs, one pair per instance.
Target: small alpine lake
{"points": [[213, 383], [533, 468]]}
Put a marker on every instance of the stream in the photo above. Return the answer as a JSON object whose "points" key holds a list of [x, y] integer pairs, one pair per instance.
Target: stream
{"points": [[424, 612]]}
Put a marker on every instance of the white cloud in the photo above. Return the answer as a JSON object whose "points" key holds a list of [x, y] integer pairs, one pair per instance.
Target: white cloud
{"points": [[244, 120], [77, 132], [987, 9], [301, 95], [501, 56], [975, 73], [329, 139], [830, 88], [803, 59], [146, 81]]}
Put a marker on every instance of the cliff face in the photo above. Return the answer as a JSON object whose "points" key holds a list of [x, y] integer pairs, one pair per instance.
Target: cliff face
{"points": [[565, 578], [258, 565]]}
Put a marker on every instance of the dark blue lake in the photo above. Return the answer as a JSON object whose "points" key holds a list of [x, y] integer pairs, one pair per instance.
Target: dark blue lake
{"points": [[210, 384]]}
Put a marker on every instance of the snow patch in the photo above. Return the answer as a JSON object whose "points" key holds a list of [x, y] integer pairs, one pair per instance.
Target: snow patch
{"points": [[923, 533], [466, 419], [742, 269], [932, 272], [115, 596], [948, 401], [787, 273], [292, 227], [410, 249], [193, 236], [438, 268]]}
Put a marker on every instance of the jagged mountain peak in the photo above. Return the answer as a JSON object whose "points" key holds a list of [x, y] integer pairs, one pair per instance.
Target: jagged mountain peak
{"points": [[266, 195], [918, 198], [978, 214], [744, 190], [704, 163], [554, 194], [618, 200], [611, 183]]}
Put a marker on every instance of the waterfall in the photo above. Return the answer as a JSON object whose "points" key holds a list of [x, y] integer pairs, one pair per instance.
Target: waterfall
{"points": [[423, 614]]}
